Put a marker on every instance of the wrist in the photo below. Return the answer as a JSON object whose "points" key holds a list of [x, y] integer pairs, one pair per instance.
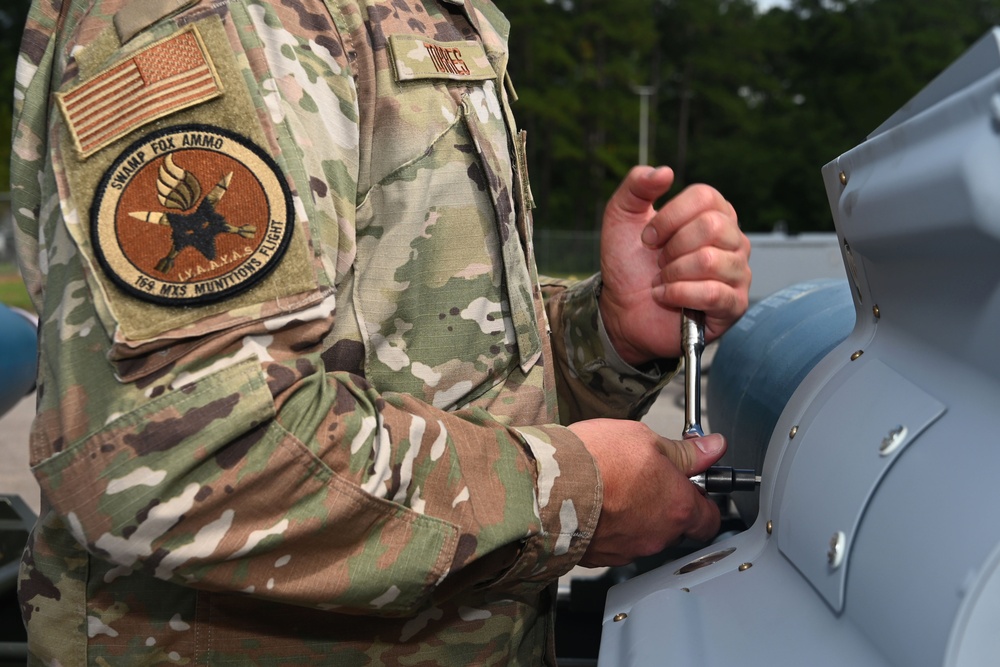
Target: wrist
{"points": [[610, 326]]}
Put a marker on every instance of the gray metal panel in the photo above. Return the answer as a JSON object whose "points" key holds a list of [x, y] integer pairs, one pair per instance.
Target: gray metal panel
{"points": [[765, 615], [838, 466], [975, 632]]}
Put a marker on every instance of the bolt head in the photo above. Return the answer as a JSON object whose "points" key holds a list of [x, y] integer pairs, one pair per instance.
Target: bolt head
{"points": [[835, 555], [893, 440]]}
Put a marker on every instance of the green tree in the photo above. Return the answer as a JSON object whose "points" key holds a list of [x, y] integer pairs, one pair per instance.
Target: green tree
{"points": [[12, 18], [761, 102], [574, 64]]}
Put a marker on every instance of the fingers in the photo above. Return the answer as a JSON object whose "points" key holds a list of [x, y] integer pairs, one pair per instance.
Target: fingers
{"points": [[705, 519], [648, 500], [719, 301], [703, 256], [698, 237], [704, 263], [641, 187], [710, 228], [698, 515], [697, 203], [694, 455]]}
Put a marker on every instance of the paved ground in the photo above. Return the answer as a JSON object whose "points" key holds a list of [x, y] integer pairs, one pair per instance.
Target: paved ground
{"points": [[15, 477], [666, 417]]}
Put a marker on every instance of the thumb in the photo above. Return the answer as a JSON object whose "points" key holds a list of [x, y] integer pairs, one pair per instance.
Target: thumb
{"points": [[694, 455], [641, 187]]}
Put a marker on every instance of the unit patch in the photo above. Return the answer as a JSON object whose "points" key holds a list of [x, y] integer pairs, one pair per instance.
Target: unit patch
{"points": [[191, 214]]}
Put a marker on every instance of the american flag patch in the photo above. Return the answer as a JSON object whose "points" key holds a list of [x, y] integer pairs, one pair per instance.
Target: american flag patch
{"points": [[172, 74]]}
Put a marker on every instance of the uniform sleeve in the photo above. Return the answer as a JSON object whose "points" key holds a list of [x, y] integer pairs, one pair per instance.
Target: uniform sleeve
{"points": [[301, 486], [225, 456], [592, 378]]}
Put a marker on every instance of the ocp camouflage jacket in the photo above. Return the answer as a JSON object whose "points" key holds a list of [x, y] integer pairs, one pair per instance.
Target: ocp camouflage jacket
{"points": [[300, 385]]}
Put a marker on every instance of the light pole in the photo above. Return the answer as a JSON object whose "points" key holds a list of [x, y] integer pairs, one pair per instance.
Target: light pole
{"points": [[644, 93]]}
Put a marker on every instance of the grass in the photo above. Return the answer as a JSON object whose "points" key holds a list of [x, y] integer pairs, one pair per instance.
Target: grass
{"points": [[12, 289]]}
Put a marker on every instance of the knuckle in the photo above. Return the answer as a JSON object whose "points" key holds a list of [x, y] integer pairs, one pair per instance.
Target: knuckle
{"points": [[703, 195], [715, 296], [714, 225], [682, 508], [653, 544], [709, 261]]}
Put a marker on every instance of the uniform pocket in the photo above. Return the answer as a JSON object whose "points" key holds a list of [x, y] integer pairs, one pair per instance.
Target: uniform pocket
{"points": [[430, 290], [183, 215], [204, 488]]}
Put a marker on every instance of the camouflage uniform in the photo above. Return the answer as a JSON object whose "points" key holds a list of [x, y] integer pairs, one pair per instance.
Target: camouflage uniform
{"points": [[300, 387]]}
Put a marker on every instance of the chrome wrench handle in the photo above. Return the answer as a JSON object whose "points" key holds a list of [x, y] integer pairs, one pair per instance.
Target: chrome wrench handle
{"points": [[692, 345]]}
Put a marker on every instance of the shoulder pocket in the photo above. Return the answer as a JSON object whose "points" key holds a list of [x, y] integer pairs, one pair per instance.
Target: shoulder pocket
{"points": [[170, 191]]}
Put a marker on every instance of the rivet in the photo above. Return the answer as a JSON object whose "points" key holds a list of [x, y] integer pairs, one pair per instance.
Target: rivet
{"points": [[770, 527], [620, 617], [876, 312], [745, 566], [843, 178], [793, 432], [835, 556], [857, 355]]}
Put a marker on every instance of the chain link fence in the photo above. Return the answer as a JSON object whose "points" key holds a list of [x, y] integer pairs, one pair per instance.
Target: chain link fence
{"points": [[6, 230], [561, 253]]}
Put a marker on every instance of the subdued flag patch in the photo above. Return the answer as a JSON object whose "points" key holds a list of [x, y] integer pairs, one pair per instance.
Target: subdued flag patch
{"points": [[172, 74]]}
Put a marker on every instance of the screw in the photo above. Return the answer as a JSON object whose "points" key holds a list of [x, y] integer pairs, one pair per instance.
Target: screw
{"points": [[620, 617], [891, 442], [793, 432], [835, 556], [876, 312], [745, 566], [857, 355], [770, 527], [843, 178]]}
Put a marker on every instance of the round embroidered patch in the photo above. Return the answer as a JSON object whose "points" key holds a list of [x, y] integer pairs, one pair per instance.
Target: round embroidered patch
{"points": [[191, 214]]}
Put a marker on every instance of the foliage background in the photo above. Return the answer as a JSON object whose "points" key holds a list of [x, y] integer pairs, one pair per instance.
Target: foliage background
{"points": [[753, 103]]}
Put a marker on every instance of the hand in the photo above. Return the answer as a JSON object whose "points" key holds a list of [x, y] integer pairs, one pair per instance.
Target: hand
{"points": [[649, 502], [688, 254]]}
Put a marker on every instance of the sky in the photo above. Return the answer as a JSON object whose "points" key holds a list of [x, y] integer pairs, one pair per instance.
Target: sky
{"points": [[765, 5]]}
